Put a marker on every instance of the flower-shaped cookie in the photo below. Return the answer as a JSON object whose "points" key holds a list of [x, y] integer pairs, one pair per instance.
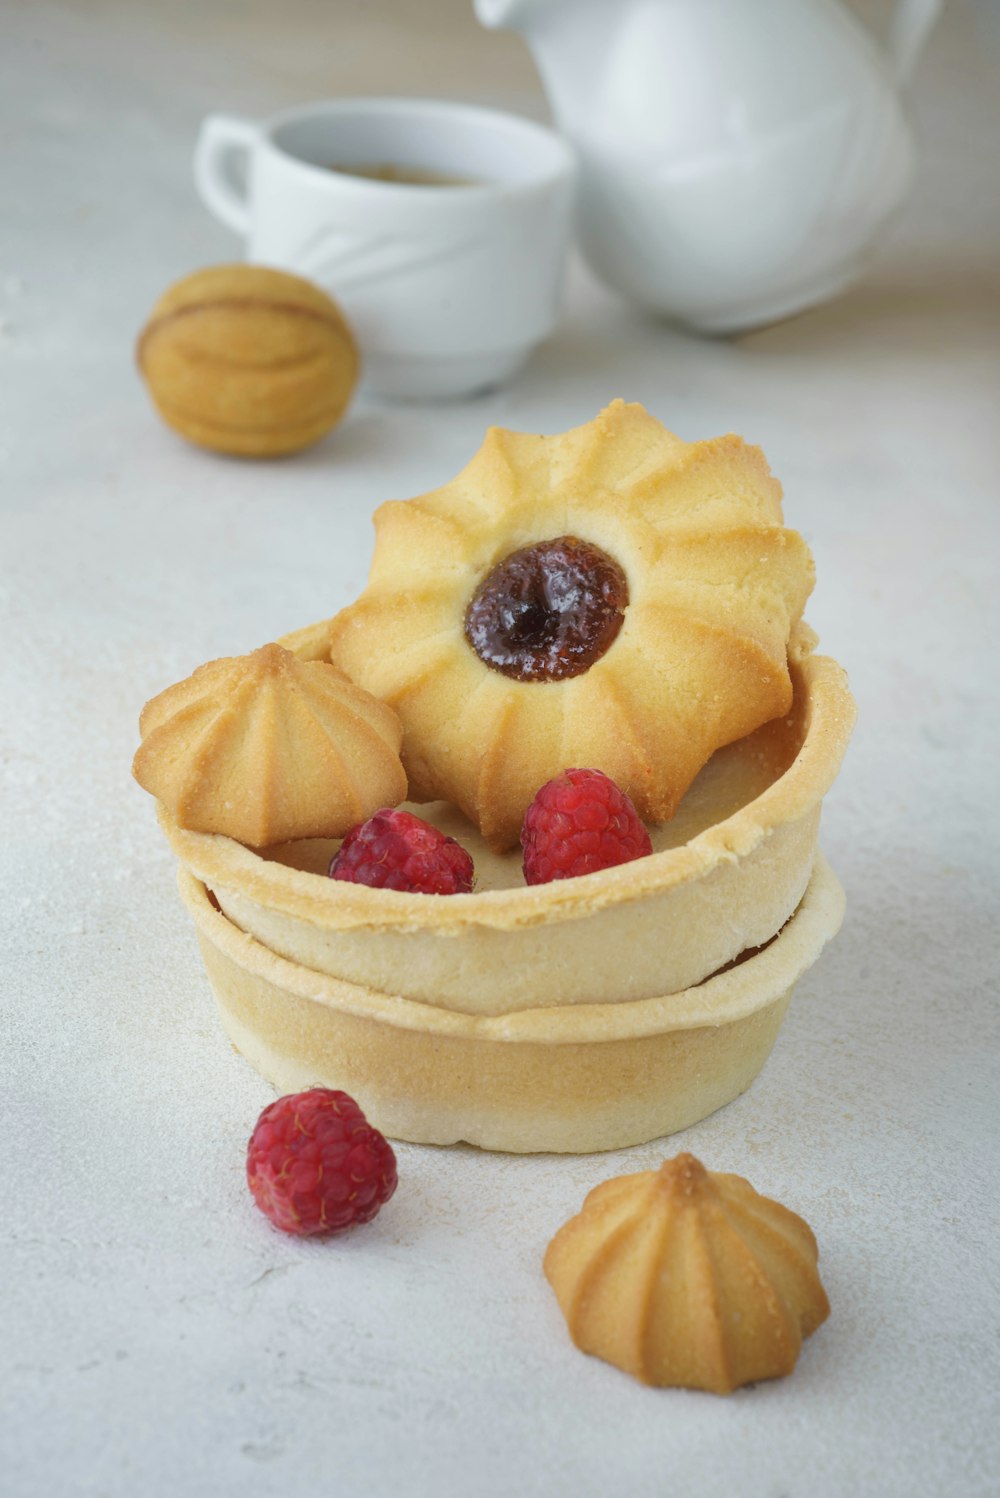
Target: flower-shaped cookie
{"points": [[613, 598]]}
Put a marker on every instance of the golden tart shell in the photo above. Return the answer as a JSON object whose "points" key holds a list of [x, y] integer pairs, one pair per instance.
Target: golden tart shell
{"points": [[571, 1079], [657, 925]]}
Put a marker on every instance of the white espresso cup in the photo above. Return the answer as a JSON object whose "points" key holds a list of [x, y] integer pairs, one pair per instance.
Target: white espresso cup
{"points": [[447, 287]]}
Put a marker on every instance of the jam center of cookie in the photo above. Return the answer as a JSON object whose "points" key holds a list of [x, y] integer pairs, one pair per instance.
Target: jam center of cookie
{"points": [[548, 611]]}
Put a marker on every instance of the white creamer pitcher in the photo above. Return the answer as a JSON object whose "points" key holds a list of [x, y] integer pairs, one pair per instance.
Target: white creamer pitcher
{"points": [[738, 157]]}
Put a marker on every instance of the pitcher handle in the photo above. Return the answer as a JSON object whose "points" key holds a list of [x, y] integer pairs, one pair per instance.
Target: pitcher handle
{"points": [[221, 140], [912, 23]]}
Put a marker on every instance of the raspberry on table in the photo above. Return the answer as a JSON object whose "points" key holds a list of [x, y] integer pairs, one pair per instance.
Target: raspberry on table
{"points": [[315, 1165], [396, 850], [578, 823]]}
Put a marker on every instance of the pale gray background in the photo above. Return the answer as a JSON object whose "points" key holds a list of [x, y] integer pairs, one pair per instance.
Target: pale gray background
{"points": [[157, 1336]]}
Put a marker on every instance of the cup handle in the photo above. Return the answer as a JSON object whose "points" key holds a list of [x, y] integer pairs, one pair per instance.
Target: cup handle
{"points": [[221, 139]]}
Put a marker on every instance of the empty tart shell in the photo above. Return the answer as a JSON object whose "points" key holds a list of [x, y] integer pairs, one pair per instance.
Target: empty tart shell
{"points": [[724, 877], [570, 1078]]}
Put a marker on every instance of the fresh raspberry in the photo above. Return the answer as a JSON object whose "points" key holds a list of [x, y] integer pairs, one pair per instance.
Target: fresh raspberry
{"points": [[578, 823], [396, 850], [315, 1165]]}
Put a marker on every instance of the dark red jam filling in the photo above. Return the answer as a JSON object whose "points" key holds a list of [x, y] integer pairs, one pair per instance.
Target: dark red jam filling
{"points": [[548, 611]]}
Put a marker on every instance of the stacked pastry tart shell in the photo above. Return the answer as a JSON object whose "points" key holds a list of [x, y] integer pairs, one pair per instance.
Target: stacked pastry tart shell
{"points": [[583, 1015]]}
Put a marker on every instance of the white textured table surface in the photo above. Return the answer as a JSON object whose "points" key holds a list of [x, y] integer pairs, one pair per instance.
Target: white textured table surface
{"points": [[158, 1336]]}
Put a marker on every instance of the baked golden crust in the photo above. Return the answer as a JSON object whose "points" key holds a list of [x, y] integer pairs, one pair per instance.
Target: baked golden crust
{"points": [[264, 748], [726, 874], [725, 833], [716, 586], [404, 1001], [688, 1278], [577, 1078]]}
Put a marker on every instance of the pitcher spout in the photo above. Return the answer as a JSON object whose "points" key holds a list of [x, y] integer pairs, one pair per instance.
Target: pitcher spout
{"points": [[510, 15], [570, 41]]}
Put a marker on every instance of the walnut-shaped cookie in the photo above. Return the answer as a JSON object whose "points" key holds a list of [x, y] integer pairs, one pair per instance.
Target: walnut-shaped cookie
{"points": [[248, 360]]}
